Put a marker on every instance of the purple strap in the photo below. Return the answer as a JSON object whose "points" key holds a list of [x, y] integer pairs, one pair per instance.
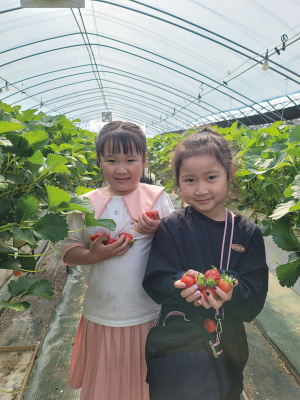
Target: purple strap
{"points": [[223, 244], [175, 313]]}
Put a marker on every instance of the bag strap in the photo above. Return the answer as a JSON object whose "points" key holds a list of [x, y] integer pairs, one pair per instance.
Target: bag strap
{"points": [[228, 231], [175, 313]]}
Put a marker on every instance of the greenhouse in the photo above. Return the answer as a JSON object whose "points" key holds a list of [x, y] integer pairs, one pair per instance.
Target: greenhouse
{"points": [[166, 70]]}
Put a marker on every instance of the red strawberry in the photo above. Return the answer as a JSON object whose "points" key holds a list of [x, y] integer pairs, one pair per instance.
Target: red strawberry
{"points": [[16, 272], [187, 280], [110, 241], [210, 325], [224, 282], [212, 276], [94, 237], [201, 282], [128, 236], [150, 214], [209, 289]]}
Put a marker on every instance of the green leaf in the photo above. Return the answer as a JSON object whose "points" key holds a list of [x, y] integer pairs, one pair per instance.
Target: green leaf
{"points": [[296, 187], [24, 234], [284, 236], [27, 263], [295, 134], [19, 306], [5, 142], [36, 139], [26, 208], [26, 115], [266, 227], [55, 159], [282, 209], [83, 202], [79, 190], [10, 126], [37, 158], [9, 263], [14, 179], [41, 288], [106, 223], [289, 273], [20, 286], [50, 227], [3, 185], [56, 196]]}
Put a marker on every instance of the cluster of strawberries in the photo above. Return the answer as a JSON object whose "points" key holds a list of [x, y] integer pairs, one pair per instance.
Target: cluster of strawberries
{"points": [[107, 240], [206, 283]]}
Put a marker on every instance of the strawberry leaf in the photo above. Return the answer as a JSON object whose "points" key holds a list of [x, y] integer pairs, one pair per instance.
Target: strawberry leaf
{"points": [[27, 207], [27, 263], [20, 286], [289, 273], [50, 227], [284, 236], [56, 196], [10, 126], [36, 139], [106, 223], [19, 306], [41, 288], [9, 263]]}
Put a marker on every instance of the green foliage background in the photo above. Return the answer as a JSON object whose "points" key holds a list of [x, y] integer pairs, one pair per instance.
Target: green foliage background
{"points": [[267, 181]]}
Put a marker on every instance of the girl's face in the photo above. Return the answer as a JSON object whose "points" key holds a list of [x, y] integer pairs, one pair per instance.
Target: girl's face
{"points": [[203, 183], [121, 171]]}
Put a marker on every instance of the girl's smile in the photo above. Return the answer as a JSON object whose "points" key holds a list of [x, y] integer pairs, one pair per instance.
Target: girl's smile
{"points": [[121, 171]]}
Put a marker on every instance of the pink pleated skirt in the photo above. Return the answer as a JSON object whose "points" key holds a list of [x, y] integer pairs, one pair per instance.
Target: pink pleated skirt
{"points": [[109, 363]]}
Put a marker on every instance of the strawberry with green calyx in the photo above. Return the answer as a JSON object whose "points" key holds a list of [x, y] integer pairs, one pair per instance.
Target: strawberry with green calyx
{"points": [[17, 272], [201, 282], [209, 325], [128, 236], [212, 275], [188, 280], [104, 241], [225, 282]]}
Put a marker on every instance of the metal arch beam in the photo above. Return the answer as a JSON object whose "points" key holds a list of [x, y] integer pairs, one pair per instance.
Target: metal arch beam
{"points": [[83, 73], [93, 98], [204, 29], [151, 80], [189, 30], [143, 112], [136, 114], [157, 55], [134, 108], [120, 110], [172, 69], [90, 50], [141, 94]]}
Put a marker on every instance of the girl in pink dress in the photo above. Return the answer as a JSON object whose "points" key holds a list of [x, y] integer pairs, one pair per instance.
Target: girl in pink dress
{"points": [[108, 360]]}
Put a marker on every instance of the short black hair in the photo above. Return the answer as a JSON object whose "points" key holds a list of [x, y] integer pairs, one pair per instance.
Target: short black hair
{"points": [[122, 137], [202, 143]]}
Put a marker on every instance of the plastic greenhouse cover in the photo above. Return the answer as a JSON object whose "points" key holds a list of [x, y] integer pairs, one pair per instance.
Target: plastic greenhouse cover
{"points": [[148, 62]]}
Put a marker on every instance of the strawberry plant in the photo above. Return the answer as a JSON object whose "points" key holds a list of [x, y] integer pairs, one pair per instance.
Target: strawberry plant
{"points": [[46, 166]]}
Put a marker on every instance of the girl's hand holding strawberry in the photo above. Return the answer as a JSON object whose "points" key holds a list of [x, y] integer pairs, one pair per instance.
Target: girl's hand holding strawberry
{"points": [[207, 297], [149, 222], [99, 251]]}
